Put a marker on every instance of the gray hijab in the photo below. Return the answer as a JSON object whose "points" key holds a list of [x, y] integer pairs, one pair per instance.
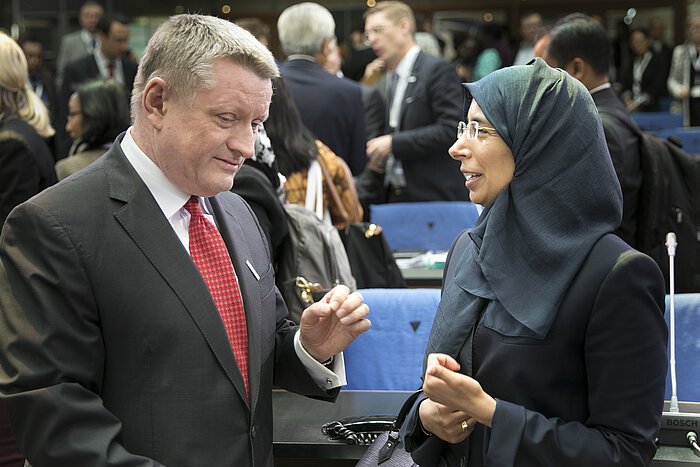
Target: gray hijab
{"points": [[528, 244]]}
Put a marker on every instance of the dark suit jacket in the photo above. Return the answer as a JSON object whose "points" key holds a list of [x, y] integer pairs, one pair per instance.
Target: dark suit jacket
{"points": [[27, 164], [76, 73], [331, 108], [590, 393], [430, 112], [113, 350], [623, 145]]}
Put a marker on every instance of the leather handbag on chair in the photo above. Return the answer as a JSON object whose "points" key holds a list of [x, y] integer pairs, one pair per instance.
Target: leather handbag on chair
{"points": [[371, 260]]}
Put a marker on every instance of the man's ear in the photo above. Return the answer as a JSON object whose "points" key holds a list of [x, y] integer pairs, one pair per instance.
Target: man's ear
{"points": [[577, 68], [155, 101], [325, 51]]}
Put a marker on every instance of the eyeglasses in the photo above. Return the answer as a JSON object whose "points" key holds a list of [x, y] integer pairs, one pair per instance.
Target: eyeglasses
{"points": [[473, 129], [375, 31]]}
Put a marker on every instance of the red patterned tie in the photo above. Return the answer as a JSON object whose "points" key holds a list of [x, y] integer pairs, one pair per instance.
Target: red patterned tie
{"points": [[209, 253], [110, 68]]}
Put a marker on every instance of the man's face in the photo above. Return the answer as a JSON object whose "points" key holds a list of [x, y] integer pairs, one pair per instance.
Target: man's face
{"points": [[200, 148], [89, 16], [694, 30], [639, 43], [390, 40], [33, 50], [116, 43], [530, 26]]}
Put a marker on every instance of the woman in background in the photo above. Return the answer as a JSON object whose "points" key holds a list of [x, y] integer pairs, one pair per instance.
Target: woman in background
{"points": [[26, 167], [25, 158], [296, 150], [97, 114], [549, 343]]}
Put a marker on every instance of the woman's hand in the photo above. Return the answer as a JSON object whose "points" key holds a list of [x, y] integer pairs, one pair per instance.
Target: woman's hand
{"points": [[443, 385], [449, 425]]}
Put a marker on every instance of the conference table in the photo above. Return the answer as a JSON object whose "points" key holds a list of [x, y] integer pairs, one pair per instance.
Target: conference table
{"points": [[299, 442]]}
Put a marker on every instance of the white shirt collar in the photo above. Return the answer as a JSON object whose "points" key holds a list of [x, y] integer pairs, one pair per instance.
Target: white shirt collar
{"points": [[601, 87], [406, 64], [308, 58], [170, 198]]}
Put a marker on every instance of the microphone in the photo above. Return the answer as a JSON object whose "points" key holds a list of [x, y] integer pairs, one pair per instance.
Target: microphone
{"points": [[671, 244], [676, 426]]}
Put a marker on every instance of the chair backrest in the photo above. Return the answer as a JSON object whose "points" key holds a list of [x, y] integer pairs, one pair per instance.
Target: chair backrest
{"points": [[390, 355], [690, 137], [430, 225], [687, 317], [656, 121]]}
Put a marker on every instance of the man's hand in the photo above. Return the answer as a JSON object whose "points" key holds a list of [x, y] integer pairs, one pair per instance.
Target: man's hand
{"points": [[328, 326], [373, 71], [444, 385], [378, 149]]}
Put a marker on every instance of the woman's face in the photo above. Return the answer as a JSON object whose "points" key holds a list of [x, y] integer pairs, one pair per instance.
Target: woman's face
{"points": [[487, 161], [74, 125]]}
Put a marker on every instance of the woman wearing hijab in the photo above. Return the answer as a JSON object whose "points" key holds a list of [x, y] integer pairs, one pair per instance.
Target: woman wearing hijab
{"points": [[549, 344]]}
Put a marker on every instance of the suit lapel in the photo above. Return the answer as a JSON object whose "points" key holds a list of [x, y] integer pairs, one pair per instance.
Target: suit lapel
{"points": [[413, 91], [145, 223], [239, 252]]}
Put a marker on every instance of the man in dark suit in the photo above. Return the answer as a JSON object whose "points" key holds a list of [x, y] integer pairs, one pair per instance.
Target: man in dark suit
{"points": [[40, 79], [330, 107], [108, 61], [141, 324], [423, 107], [579, 45]]}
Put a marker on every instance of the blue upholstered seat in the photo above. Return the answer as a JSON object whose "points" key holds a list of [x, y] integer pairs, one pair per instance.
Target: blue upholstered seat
{"points": [[390, 355], [656, 121], [690, 137], [687, 314], [423, 225]]}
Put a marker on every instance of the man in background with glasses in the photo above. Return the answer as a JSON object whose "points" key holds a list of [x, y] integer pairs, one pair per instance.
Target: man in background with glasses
{"points": [[424, 100]]}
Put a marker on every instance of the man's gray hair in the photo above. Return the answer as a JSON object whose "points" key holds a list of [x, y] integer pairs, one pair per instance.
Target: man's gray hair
{"points": [[184, 48], [303, 27]]}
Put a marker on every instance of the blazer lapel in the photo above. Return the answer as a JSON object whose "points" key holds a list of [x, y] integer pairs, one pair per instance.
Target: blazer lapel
{"points": [[142, 218], [239, 252], [413, 91]]}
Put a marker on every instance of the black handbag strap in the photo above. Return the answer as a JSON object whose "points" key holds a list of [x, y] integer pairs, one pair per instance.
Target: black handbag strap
{"points": [[405, 409]]}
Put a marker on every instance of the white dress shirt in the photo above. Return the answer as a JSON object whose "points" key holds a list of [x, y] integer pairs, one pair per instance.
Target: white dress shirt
{"points": [[171, 201]]}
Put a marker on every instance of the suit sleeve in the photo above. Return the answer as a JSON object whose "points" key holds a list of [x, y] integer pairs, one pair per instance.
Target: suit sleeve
{"points": [[625, 358], [444, 95], [358, 149], [52, 362]]}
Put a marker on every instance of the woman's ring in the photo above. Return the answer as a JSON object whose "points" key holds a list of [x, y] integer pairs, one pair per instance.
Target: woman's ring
{"points": [[465, 426]]}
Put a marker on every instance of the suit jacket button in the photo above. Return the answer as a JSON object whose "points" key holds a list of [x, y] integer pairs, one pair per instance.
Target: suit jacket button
{"points": [[252, 432]]}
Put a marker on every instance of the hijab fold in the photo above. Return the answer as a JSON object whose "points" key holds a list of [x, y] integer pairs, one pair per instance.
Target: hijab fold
{"points": [[529, 243]]}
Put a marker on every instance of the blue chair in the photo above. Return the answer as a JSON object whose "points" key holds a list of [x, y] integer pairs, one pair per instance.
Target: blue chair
{"points": [[687, 314], [690, 137], [389, 356], [431, 225], [656, 121]]}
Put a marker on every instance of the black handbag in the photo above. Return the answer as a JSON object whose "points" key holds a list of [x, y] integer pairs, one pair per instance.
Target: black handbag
{"points": [[370, 257], [381, 431]]}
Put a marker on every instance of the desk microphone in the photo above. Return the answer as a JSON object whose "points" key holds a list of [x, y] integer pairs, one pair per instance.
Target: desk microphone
{"points": [[676, 427], [671, 244]]}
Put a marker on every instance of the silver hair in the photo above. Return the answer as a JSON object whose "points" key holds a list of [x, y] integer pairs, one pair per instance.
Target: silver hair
{"points": [[303, 27], [184, 48]]}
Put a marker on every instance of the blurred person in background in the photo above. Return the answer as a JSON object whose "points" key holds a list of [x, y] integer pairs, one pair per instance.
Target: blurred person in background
{"points": [[81, 43], [27, 167], [644, 82], [97, 114], [530, 25], [684, 77]]}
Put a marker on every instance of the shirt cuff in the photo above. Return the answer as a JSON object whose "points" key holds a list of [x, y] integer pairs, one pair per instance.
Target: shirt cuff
{"points": [[329, 377]]}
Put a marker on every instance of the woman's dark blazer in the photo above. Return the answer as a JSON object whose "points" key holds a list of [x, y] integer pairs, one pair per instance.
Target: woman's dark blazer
{"points": [[26, 164], [589, 393]]}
